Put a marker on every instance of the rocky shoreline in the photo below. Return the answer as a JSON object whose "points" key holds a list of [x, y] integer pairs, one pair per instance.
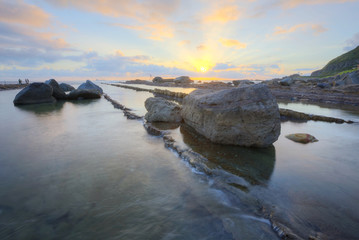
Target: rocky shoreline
{"points": [[11, 86], [341, 89]]}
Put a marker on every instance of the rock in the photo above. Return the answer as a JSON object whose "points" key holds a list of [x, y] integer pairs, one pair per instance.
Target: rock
{"points": [[78, 94], [57, 93], [302, 138], [323, 85], [66, 87], [242, 82], [88, 85], [349, 79], [35, 93], [183, 79], [246, 116], [157, 80], [286, 81], [162, 110]]}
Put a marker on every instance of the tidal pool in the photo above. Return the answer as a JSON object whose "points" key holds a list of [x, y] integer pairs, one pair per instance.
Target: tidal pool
{"points": [[81, 170]]}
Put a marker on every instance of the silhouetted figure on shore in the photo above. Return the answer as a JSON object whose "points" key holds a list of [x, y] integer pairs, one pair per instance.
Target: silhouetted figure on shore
{"points": [[20, 81], [27, 81]]}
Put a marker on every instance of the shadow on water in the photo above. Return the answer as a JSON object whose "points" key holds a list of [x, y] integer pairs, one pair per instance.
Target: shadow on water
{"points": [[46, 108], [43, 108], [255, 165]]}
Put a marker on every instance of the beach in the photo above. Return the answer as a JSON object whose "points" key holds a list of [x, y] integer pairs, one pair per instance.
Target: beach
{"points": [[93, 172]]}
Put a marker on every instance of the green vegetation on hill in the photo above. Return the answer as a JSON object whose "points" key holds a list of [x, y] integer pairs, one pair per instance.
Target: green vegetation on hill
{"points": [[346, 62]]}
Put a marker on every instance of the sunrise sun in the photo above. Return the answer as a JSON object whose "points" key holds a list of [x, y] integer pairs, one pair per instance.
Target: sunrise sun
{"points": [[203, 69]]}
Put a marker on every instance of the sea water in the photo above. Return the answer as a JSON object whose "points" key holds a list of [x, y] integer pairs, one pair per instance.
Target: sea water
{"points": [[81, 170]]}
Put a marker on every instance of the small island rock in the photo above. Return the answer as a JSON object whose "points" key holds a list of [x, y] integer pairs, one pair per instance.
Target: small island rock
{"points": [[78, 94], [162, 110], [88, 85], [66, 87], [35, 93], [246, 116], [57, 93]]}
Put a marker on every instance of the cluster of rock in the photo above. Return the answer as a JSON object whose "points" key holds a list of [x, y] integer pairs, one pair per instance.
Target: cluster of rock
{"points": [[245, 116], [179, 80], [50, 91], [339, 81]]}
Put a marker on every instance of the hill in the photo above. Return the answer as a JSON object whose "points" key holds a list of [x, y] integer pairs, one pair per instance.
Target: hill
{"points": [[344, 62]]}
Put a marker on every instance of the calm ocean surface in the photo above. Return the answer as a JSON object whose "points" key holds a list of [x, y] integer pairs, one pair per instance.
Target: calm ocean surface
{"points": [[81, 170]]}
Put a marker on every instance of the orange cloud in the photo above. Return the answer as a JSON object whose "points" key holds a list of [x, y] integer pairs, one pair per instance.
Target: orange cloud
{"points": [[184, 42], [223, 14], [20, 12], [232, 43]]}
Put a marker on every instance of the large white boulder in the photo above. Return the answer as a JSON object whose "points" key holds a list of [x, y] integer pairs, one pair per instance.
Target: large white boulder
{"points": [[162, 110], [245, 116]]}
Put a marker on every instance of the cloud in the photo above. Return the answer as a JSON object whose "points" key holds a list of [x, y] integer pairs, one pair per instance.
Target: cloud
{"points": [[232, 43], [184, 43], [19, 12], [352, 43], [149, 17], [223, 14], [295, 3], [154, 31], [316, 28], [201, 47]]}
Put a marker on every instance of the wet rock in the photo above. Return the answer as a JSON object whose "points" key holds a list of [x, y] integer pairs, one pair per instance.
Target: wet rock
{"points": [[35, 93], [66, 87], [90, 86], [79, 94], [246, 116], [162, 110], [301, 138], [57, 93], [286, 81]]}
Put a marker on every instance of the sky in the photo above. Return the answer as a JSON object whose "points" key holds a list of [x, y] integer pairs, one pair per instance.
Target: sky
{"points": [[203, 39]]}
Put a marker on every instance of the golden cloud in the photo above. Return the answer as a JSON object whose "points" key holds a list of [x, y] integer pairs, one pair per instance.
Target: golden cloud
{"points": [[232, 43], [223, 14]]}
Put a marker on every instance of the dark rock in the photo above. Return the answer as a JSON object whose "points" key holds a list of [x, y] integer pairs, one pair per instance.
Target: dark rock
{"points": [[88, 85], [78, 94], [66, 87], [57, 93], [35, 93], [323, 85], [286, 81]]}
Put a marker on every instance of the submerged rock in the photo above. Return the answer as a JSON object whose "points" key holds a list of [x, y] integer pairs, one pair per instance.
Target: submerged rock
{"points": [[35, 93], [162, 110], [88, 85], [66, 87], [246, 116], [302, 138], [57, 93], [78, 94]]}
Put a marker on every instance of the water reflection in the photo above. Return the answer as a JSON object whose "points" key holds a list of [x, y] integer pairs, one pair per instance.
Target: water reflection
{"points": [[253, 164], [42, 109]]}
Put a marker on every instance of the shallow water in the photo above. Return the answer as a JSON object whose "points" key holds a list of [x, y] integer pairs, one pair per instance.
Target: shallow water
{"points": [[82, 170]]}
